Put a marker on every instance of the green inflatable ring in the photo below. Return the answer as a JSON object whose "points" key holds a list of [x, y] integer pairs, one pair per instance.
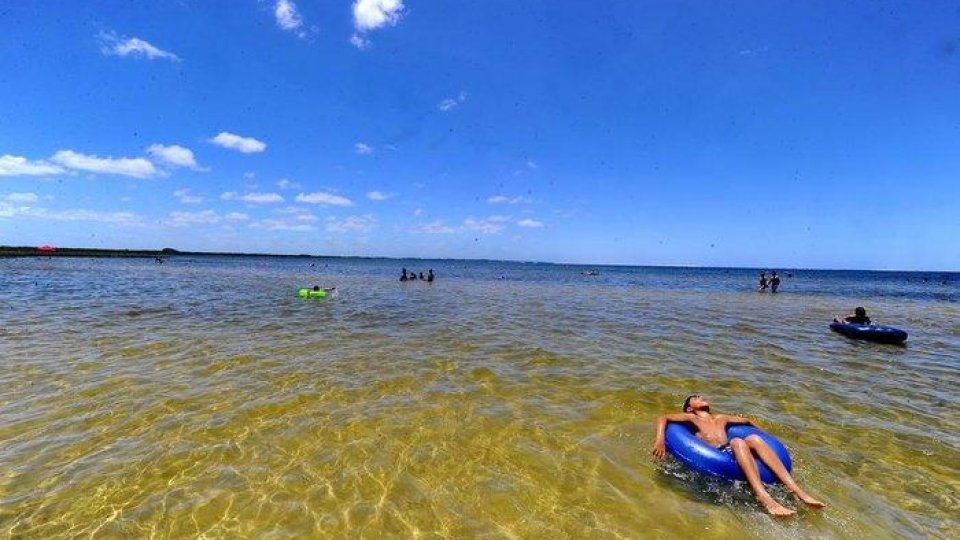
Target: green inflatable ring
{"points": [[310, 293]]}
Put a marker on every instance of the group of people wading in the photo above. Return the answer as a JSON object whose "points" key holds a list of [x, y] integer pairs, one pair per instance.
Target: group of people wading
{"points": [[773, 283], [412, 276]]}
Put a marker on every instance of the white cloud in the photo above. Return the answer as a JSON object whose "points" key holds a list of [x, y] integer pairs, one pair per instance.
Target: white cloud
{"points": [[437, 227], [288, 17], [327, 199], [288, 184], [21, 166], [175, 155], [185, 219], [134, 167], [359, 41], [490, 225], [112, 45], [452, 103], [363, 149], [236, 216], [418, 212], [128, 219], [229, 195], [261, 198], [531, 164], [502, 199], [362, 224], [281, 225], [186, 197], [22, 197], [246, 145], [378, 195], [532, 223], [373, 14]]}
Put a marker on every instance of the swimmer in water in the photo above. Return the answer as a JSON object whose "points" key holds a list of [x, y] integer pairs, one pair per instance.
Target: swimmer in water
{"points": [[324, 289], [763, 282], [774, 282], [711, 428]]}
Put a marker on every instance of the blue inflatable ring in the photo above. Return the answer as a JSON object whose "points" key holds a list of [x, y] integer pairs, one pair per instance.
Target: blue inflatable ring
{"points": [[683, 444]]}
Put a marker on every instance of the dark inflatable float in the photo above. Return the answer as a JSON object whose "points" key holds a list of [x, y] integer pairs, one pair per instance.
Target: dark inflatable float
{"points": [[688, 449], [870, 332]]}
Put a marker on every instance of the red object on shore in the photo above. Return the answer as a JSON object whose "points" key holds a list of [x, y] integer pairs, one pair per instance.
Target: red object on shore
{"points": [[46, 248]]}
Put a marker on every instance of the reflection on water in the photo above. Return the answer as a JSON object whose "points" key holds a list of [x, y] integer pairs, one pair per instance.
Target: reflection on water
{"points": [[202, 397]]}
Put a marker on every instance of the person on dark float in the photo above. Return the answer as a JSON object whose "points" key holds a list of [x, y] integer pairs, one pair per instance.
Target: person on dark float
{"points": [[774, 282], [711, 428], [859, 317]]}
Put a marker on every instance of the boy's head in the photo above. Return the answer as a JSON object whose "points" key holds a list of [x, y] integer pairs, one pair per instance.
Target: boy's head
{"points": [[860, 312], [696, 402], [316, 287]]}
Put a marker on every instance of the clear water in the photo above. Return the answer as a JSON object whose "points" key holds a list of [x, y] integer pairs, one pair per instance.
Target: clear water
{"points": [[202, 397]]}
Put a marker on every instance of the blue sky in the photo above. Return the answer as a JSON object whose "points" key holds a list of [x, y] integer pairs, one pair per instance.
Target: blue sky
{"points": [[784, 134]]}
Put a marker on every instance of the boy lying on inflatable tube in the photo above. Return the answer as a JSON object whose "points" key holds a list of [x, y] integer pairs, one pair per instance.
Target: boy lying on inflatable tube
{"points": [[730, 447]]}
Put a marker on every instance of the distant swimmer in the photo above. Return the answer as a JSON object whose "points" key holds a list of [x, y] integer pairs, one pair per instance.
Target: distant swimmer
{"points": [[859, 317], [712, 429], [763, 282], [413, 276], [430, 276], [403, 275], [324, 289], [421, 277], [774, 282]]}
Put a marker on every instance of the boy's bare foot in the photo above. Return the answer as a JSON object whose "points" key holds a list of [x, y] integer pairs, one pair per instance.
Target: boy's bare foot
{"points": [[809, 501], [778, 510]]}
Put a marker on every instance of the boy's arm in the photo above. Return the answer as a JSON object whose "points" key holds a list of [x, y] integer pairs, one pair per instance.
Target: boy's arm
{"points": [[659, 446]]}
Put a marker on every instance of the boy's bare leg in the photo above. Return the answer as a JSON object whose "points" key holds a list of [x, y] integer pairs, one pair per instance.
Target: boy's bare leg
{"points": [[741, 451], [772, 460]]}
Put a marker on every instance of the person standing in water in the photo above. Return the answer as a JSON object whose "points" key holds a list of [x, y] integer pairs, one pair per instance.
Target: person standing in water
{"points": [[763, 282], [403, 275], [774, 282], [430, 276]]}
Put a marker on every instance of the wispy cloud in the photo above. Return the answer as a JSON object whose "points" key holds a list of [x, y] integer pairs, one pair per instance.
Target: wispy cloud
{"points": [[123, 219], [363, 149], [186, 219], [286, 183], [236, 216], [378, 195], [261, 198], [503, 199], [21, 166], [326, 199], [282, 225], [113, 45], [174, 155], [490, 225], [246, 145], [133, 167], [531, 164], [437, 227], [372, 14], [452, 103], [418, 212], [186, 197], [21, 197], [361, 224], [288, 17], [530, 223]]}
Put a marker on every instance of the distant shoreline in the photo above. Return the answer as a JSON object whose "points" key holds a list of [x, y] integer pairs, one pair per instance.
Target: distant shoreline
{"points": [[33, 251], [30, 251]]}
